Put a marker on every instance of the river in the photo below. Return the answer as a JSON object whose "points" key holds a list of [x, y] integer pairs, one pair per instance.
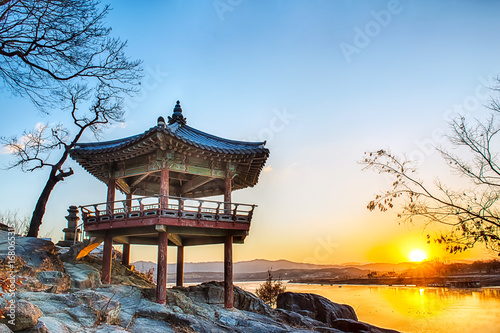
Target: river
{"points": [[413, 309]]}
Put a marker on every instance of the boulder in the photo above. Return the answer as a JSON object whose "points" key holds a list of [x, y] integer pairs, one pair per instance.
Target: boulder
{"points": [[83, 276], [51, 325], [296, 319], [69, 254], [80, 309], [129, 297], [26, 316], [213, 293], [104, 309], [318, 306], [57, 281], [37, 254], [349, 325]]}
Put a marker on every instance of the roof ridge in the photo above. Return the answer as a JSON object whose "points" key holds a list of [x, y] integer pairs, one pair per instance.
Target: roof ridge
{"points": [[252, 143]]}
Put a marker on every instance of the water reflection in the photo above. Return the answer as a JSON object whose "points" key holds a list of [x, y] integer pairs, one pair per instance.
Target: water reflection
{"points": [[415, 309]]}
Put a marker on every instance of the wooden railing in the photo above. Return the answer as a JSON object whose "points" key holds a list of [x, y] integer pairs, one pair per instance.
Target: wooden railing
{"points": [[168, 206]]}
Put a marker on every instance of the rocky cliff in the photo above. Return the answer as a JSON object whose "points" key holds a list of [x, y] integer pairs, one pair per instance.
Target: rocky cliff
{"points": [[60, 294]]}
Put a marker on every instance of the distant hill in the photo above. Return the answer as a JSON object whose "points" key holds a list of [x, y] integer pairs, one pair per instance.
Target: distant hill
{"points": [[251, 266], [255, 270], [263, 265]]}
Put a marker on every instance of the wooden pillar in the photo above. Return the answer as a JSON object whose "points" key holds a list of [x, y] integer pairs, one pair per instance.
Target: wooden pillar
{"points": [[106, 258], [161, 277], [128, 202], [111, 196], [228, 271], [180, 266], [126, 254], [164, 187], [227, 194]]}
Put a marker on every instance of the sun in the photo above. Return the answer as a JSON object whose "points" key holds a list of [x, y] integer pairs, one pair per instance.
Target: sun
{"points": [[417, 255]]}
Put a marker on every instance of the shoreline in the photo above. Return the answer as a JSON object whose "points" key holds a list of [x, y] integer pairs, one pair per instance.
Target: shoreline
{"points": [[476, 281]]}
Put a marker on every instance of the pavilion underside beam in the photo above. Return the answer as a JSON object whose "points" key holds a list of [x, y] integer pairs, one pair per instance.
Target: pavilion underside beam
{"points": [[194, 184], [181, 233], [140, 179], [139, 240], [123, 186], [186, 241], [175, 239]]}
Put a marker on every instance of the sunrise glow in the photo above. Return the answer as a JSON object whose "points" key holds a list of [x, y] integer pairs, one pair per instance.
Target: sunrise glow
{"points": [[417, 255]]}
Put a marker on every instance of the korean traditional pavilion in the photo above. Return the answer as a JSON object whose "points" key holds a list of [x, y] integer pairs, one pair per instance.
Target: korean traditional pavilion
{"points": [[163, 173]]}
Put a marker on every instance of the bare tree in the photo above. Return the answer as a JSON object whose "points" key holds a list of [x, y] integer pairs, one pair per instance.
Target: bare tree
{"points": [[33, 150], [19, 224], [44, 44], [270, 289], [50, 52], [473, 212]]}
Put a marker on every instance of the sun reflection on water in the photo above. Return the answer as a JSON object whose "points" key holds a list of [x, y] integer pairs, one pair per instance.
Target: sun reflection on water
{"points": [[413, 309]]}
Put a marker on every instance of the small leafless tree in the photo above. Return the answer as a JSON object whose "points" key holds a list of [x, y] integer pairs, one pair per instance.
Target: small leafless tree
{"points": [[46, 44], [270, 289], [20, 224], [33, 150], [471, 212]]}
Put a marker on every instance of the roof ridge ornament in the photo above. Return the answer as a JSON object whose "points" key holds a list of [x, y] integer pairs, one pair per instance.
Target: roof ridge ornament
{"points": [[161, 122], [177, 116]]}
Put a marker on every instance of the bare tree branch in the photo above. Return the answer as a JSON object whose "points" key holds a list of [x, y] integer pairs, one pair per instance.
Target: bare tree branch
{"points": [[33, 150], [473, 214], [44, 44]]}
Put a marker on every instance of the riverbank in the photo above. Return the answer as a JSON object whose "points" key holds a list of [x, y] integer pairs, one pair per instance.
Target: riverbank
{"points": [[455, 281]]}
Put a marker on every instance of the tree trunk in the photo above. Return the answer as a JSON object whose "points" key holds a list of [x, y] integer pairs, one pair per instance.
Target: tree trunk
{"points": [[36, 217]]}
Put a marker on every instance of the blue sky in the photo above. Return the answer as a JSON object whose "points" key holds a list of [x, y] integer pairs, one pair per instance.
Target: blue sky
{"points": [[276, 70]]}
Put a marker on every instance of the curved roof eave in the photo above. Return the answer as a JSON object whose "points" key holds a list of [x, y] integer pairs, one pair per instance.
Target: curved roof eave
{"points": [[182, 133]]}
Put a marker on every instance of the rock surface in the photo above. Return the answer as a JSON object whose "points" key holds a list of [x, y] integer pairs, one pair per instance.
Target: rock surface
{"points": [[213, 293], [26, 316], [5, 329], [315, 306], [68, 297], [83, 276]]}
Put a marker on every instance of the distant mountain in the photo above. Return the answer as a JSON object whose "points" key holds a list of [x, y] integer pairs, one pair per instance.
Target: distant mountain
{"points": [[263, 265], [255, 270], [252, 266]]}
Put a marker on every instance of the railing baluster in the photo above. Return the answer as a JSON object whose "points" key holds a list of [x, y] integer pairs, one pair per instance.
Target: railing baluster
{"points": [[217, 212], [250, 214], [219, 209], [181, 206], [234, 212], [200, 203]]}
